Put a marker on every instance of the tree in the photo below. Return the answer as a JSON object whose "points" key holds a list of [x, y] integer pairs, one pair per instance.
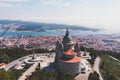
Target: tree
{"points": [[14, 53], [15, 73], [6, 75], [111, 78], [51, 75], [65, 76], [93, 76], [4, 58]]}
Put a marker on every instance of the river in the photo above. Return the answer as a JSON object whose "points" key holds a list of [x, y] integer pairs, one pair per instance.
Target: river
{"points": [[13, 33]]}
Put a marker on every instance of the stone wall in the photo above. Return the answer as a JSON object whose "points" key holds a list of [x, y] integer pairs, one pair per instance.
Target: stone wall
{"points": [[70, 67]]}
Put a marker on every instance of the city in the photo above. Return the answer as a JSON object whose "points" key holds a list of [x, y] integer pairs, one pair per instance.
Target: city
{"points": [[47, 60], [101, 42], [59, 39]]}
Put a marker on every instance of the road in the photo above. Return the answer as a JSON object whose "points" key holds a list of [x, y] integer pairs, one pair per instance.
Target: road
{"points": [[96, 67], [28, 71], [82, 77], [88, 71], [114, 58], [13, 63], [45, 62], [17, 61]]}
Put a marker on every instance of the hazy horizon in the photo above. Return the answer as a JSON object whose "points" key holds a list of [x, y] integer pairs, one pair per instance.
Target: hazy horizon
{"points": [[101, 14]]}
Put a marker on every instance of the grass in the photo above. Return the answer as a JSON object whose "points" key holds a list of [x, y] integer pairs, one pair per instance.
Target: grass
{"points": [[109, 68]]}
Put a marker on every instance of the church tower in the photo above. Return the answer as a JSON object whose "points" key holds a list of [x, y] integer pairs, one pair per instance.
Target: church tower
{"points": [[67, 41]]}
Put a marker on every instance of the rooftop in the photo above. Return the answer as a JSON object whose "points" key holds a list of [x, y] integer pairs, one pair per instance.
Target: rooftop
{"points": [[2, 64], [69, 52], [75, 59]]}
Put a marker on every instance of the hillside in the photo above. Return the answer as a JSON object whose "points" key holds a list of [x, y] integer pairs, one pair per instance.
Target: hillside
{"points": [[24, 25], [109, 68]]}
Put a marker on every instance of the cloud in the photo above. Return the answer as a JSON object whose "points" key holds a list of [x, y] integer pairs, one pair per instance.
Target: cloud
{"points": [[55, 2], [64, 2], [11, 3], [6, 5], [15, 0]]}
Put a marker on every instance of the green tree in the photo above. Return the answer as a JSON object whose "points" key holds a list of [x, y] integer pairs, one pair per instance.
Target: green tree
{"points": [[65, 76], [6, 75], [111, 78], [51, 75], [4, 58], [15, 73], [93, 76]]}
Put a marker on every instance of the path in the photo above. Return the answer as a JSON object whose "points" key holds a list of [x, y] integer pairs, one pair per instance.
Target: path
{"points": [[28, 71], [88, 71], [96, 67], [13, 63], [114, 58]]}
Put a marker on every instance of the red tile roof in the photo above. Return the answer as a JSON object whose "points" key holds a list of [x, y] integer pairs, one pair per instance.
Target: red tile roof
{"points": [[69, 52], [75, 59]]}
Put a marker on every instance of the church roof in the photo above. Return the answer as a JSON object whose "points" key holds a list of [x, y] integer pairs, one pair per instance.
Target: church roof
{"points": [[69, 52], [75, 59]]}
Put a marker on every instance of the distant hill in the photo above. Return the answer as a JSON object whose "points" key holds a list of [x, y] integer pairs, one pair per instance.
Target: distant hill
{"points": [[36, 26]]}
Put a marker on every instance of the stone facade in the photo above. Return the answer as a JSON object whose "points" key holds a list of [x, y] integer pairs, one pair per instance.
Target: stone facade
{"points": [[70, 67]]}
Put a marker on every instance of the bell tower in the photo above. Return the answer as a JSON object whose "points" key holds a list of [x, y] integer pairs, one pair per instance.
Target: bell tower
{"points": [[67, 41]]}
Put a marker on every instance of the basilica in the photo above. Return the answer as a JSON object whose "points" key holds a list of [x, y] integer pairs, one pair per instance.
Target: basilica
{"points": [[68, 55]]}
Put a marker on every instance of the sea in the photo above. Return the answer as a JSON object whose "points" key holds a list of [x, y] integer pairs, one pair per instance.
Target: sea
{"points": [[13, 33]]}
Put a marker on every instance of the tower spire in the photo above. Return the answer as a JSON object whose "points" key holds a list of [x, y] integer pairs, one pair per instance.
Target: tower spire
{"points": [[67, 32]]}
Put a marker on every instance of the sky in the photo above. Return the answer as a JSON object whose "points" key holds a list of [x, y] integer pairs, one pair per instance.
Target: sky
{"points": [[101, 14]]}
